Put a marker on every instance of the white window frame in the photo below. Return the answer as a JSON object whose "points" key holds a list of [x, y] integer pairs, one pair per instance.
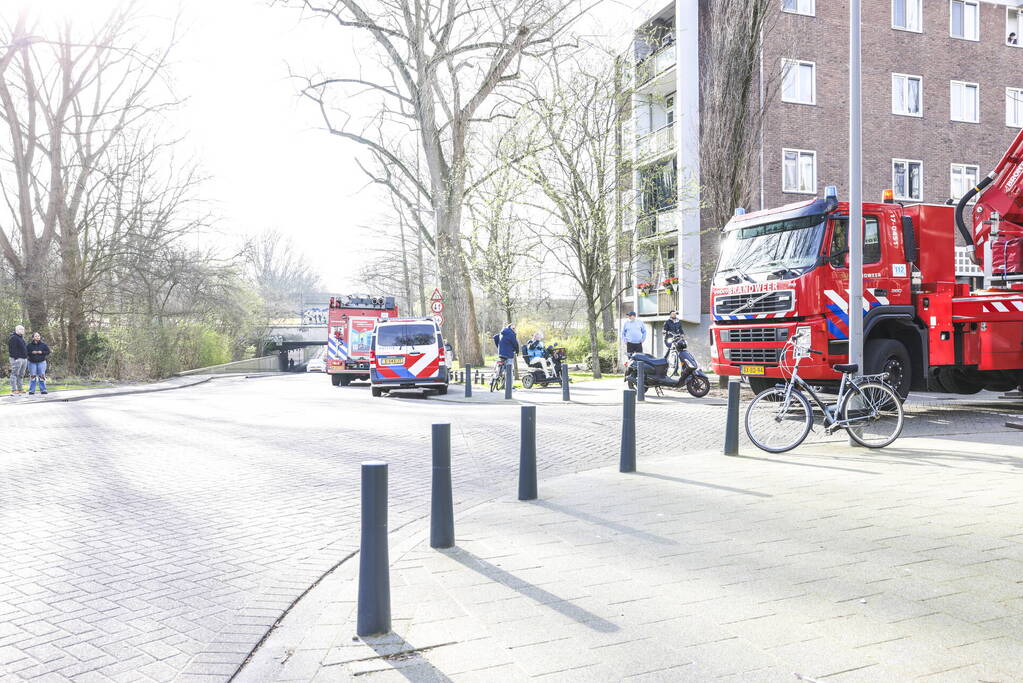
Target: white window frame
{"points": [[919, 14], [1019, 25], [894, 185], [974, 3], [920, 90], [1017, 95], [951, 90], [951, 176], [799, 154], [785, 63], [811, 13]]}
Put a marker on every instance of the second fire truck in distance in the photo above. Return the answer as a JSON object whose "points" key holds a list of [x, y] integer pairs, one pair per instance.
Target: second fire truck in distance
{"points": [[350, 323]]}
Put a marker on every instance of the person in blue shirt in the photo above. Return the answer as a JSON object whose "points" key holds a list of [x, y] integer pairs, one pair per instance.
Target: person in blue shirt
{"points": [[633, 334], [538, 354]]}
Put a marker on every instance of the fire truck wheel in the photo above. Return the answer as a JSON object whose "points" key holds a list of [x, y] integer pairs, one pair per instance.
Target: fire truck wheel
{"points": [[336, 380], [376, 391], [888, 355]]}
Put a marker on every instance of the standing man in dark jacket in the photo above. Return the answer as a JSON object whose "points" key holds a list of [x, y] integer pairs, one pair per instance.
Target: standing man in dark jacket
{"points": [[672, 328], [18, 351], [38, 352]]}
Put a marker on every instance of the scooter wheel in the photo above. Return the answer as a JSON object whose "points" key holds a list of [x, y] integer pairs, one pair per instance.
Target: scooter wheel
{"points": [[527, 381], [698, 386]]}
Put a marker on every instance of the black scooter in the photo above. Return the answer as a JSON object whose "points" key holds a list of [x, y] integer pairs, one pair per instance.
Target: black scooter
{"points": [[655, 372]]}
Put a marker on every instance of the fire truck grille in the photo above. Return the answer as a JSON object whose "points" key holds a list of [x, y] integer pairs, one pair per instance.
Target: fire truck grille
{"points": [[755, 334], [757, 302], [752, 355]]}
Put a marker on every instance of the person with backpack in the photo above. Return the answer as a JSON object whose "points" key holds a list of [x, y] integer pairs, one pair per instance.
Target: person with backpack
{"points": [[38, 352], [17, 349]]}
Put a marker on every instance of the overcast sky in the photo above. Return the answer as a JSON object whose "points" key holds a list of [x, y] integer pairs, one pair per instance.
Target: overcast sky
{"points": [[270, 163]]}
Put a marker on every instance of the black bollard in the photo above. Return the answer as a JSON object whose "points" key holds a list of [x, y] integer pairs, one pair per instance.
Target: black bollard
{"points": [[508, 378], [641, 381], [374, 579], [468, 381], [527, 454], [442, 512], [565, 392], [628, 458], [732, 419]]}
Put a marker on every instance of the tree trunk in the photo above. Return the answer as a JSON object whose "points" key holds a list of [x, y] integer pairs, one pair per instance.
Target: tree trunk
{"points": [[607, 312]]}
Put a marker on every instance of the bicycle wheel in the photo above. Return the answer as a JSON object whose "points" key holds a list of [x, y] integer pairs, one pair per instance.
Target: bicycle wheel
{"points": [[497, 380], [878, 414], [775, 424]]}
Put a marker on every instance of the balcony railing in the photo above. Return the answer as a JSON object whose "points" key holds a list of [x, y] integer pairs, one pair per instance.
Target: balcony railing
{"points": [[657, 302], [654, 64], [654, 144], [659, 223]]}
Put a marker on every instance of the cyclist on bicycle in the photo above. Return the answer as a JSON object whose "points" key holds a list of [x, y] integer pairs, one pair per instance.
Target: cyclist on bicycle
{"points": [[506, 342]]}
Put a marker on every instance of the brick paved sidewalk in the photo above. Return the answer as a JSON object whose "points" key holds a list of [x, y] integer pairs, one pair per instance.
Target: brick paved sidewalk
{"points": [[65, 395], [827, 563]]}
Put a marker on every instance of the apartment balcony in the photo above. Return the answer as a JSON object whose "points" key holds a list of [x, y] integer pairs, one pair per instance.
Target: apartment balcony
{"points": [[657, 302], [655, 64], [654, 145], [657, 224]]}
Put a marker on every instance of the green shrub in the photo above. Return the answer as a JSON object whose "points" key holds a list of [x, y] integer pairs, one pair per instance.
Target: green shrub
{"points": [[578, 349]]}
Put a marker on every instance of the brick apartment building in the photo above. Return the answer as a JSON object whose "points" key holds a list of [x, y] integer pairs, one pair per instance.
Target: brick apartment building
{"points": [[942, 100]]}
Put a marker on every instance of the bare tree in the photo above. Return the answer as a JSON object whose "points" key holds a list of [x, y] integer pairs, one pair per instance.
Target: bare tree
{"points": [[445, 62], [502, 250], [576, 111], [281, 274], [66, 96], [734, 100]]}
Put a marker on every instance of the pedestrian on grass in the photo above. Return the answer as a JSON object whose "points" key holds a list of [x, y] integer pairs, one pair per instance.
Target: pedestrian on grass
{"points": [[38, 352], [17, 349], [633, 334]]}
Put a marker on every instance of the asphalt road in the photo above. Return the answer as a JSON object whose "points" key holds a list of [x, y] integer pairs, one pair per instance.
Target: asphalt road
{"points": [[158, 536]]}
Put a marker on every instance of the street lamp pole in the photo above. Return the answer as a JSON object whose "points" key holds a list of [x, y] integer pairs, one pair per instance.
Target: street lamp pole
{"points": [[855, 231]]}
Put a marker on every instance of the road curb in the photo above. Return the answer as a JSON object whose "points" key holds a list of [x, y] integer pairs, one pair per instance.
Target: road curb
{"points": [[115, 392]]}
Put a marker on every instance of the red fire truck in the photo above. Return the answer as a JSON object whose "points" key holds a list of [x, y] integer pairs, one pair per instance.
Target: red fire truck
{"points": [[784, 270], [350, 323]]}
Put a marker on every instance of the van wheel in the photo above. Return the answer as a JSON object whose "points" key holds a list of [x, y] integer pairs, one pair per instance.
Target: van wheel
{"points": [[441, 391], [376, 391], [888, 355]]}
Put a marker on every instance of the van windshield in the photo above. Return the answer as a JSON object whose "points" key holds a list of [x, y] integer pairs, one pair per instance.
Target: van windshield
{"points": [[406, 335]]}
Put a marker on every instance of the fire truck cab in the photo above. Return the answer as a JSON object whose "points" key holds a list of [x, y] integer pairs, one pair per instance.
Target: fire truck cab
{"points": [[785, 270]]}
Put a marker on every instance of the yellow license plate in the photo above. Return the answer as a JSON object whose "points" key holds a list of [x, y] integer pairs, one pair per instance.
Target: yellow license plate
{"points": [[398, 361], [752, 369]]}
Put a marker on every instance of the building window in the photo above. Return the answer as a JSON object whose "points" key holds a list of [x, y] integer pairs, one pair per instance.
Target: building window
{"points": [[799, 171], [1014, 107], [965, 102], [907, 179], [669, 262], [964, 19], [964, 177], [669, 109], [799, 81], [906, 15], [1013, 23], [798, 6], [907, 95]]}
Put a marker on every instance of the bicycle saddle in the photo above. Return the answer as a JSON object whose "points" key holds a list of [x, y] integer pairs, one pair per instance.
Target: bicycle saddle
{"points": [[847, 367]]}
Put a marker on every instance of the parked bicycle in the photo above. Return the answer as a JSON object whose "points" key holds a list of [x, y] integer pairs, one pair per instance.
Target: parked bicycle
{"points": [[779, 419]]}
